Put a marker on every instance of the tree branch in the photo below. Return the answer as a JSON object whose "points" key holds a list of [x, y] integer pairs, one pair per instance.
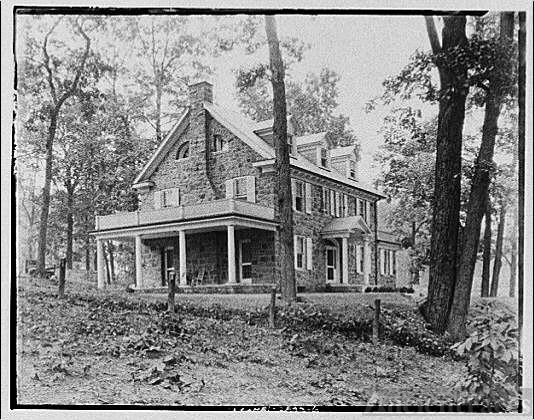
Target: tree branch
{"points": [[47, 61], [432, 34]]}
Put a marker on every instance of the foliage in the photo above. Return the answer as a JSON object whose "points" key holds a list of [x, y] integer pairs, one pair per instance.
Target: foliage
{"points": [[492, 358], [312, 103]]}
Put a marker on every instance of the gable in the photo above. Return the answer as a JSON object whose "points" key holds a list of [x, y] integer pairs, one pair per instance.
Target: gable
{"points": [[163, 149]]}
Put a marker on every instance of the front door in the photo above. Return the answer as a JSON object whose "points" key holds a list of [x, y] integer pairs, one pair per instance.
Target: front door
{"points": [[168, 264], [331, 265], [245, 261]]}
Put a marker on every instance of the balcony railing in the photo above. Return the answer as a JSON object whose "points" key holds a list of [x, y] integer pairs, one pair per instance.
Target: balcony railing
{"points": [[184, 213]]}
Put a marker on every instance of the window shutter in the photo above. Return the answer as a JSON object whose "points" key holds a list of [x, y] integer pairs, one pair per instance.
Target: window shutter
{"points": [[367, 211], [332, 203], [295, 250], [308, 194], [294, 194], [338, 199], [345, 205], [309, 254], [381, 260], [391, 262], [157, 199], [251, 188], [229, 188], [358, 258]]}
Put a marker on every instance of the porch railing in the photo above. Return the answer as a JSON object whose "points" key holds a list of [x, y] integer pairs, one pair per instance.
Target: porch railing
{"points": [[183, 213]]}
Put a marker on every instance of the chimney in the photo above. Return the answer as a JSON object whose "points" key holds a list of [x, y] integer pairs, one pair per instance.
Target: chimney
{"points": [[200, 92]]}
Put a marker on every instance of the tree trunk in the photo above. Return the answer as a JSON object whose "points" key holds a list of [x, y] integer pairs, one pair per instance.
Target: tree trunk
{"points": [[286, 268], [111, 250], [486, 255], [477, 198], [498, 252], [70, 225], [159, 135], [446, 206], [43, 223]]}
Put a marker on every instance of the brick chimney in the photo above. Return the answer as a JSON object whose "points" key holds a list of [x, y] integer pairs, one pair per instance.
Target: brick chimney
{"points": [[199, 122]]}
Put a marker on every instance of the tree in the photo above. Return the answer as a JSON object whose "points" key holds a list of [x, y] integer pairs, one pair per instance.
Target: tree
{"points": [[61, 72], [312, 104], [284, 232], [486, 256], [498, 85]]}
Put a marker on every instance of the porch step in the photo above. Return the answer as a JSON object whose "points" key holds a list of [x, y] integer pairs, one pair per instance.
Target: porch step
{"points": [[215, 289]]}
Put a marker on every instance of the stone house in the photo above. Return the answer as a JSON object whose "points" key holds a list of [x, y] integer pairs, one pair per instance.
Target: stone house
{"points": [[207, 210]]}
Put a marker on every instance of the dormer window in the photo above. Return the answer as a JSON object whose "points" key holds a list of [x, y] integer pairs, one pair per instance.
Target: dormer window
{"points": [[324, 157], [352, 169], [183, 151], [290, 143], [218, 144]]}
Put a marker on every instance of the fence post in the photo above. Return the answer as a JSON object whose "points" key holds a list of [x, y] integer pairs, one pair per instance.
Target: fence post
{"points": [[376, 322], [62, 265], [272, 309], [172, 290]]}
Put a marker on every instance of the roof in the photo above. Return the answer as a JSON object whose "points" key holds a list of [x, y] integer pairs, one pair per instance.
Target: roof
{"points": [[346, 224], [243, 128], [163, 148], [342, 151], [387, 237], [266, 124], [310, 139]]}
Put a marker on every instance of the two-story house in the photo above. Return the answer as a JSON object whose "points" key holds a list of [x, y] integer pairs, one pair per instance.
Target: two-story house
{"points": [[207, 209]]}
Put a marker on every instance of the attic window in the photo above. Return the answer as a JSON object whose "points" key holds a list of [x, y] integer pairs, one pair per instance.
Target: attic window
{"points": [[352, 169], [183, 151], [219, 144], [290, 143], [324, 157]]}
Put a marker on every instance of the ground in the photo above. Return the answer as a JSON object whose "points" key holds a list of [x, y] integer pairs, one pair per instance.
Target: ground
{"points": [[110, 347]]}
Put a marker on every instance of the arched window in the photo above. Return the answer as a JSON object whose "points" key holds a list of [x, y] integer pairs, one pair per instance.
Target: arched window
{"points": [[183, 151]]}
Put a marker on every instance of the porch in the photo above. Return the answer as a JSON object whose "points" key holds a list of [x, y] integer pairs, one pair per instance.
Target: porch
{"points": [[219, 243]]}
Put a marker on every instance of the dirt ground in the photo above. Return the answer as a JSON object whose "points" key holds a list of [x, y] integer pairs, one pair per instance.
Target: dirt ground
{"points": [[91, 351]]}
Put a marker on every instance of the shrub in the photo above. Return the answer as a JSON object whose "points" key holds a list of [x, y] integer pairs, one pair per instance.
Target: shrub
{"points": [[491, 352]]}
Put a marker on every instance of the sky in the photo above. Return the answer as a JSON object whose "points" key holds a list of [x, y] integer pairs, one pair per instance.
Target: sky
{"points": [[363, 50]]}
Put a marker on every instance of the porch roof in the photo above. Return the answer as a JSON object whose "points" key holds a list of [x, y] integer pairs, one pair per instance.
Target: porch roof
{"points": [[345, 225]]}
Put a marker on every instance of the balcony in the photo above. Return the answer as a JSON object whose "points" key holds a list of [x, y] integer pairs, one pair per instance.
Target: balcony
{"points": [[215, 208]]}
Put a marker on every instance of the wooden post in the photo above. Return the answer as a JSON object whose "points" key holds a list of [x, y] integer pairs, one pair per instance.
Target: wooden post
{"points": [[272, 308], [376, 322], [172, 289], [62, 265]]}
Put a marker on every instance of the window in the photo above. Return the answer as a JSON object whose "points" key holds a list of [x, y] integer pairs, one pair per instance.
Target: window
{"points": [[325, 204], [324, 157], [299, 251], [352, 169], [240, 188], [393, 263], [167, 198], [299, 195], [387, 262], [332, 203], [362, 211], [290, 143], [219, 144], [183, 151], [360, 258], [339, 199]]}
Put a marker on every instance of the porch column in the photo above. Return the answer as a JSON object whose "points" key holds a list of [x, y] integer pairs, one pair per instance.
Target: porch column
{"points": [[345, 258], [366, 259], [231, 254], [183, 256], [138, 262], [100, 265]]}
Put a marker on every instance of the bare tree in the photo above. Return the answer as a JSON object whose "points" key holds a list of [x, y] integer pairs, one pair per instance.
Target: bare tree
{"points": [[286, 271]]}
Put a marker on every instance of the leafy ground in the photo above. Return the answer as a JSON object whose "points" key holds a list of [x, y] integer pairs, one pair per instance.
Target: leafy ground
{"points": [[111, 347]]}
